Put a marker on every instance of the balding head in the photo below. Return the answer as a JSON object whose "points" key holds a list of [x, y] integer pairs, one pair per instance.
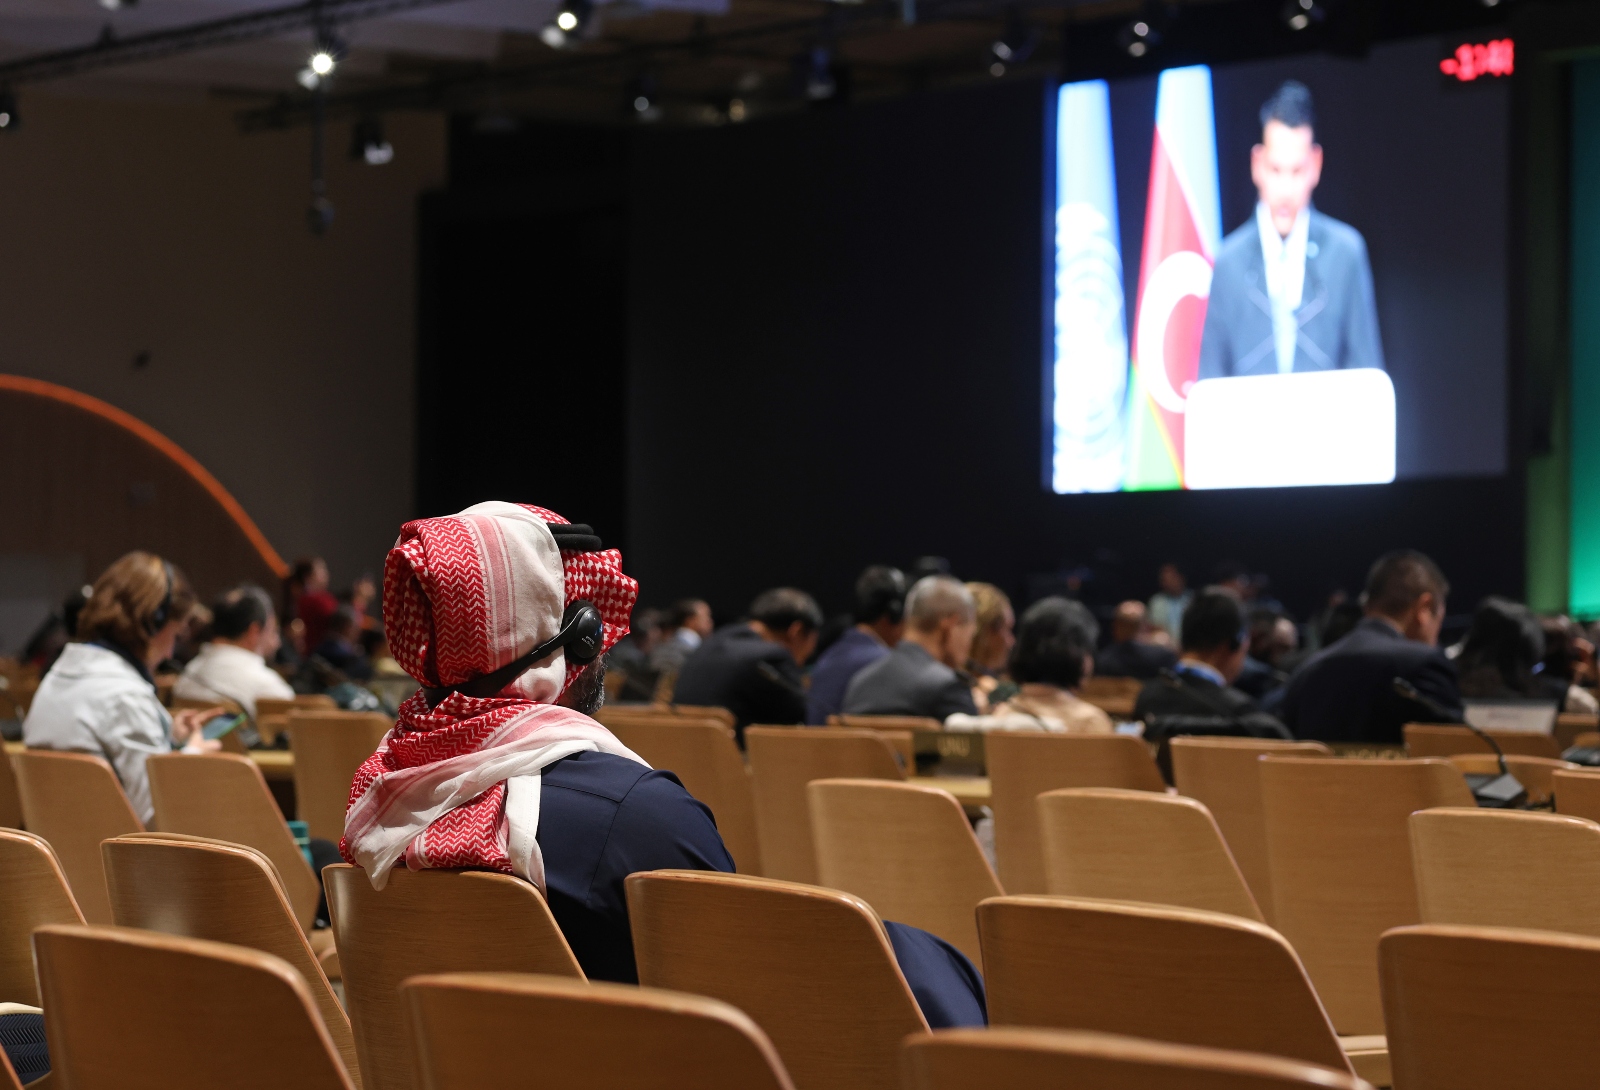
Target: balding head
{"points": [[1127, 622], [936, 597]]}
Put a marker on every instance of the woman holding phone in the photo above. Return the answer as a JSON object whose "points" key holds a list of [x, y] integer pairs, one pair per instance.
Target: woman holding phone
{"points": [[100, 696]]}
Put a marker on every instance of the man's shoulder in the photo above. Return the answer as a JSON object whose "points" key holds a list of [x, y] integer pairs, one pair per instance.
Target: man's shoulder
{"points": [[1240, 243], [605, 775], [850, 654], [1335, 236]]}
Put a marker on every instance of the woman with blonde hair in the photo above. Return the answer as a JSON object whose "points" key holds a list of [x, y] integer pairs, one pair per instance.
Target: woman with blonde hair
{"points": [[100, 696]]}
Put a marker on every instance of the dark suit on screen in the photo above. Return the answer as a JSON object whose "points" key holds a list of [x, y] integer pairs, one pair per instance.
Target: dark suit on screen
{"points": [[909, 681], [755, 679], [1338, 313], [1345, 693]]}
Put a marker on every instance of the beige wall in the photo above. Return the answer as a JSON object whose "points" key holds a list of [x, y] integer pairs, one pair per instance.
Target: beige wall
{"points": [[283, 362]]}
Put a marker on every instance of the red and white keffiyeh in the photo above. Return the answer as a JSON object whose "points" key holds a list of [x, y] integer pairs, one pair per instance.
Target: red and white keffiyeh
{"points": [[457, 785]]}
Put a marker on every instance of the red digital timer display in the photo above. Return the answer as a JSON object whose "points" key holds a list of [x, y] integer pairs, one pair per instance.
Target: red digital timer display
{"points": [[1475, 61]]}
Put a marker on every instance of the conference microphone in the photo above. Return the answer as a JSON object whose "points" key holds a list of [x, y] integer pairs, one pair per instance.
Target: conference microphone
{"points": [[1502, 792]]}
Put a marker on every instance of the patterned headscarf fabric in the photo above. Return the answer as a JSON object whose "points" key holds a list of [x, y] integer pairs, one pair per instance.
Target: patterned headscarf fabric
{"points": [[457, 785]]}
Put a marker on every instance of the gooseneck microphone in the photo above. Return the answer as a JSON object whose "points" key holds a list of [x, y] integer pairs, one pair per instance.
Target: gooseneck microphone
{"points": [[1502, 792]]}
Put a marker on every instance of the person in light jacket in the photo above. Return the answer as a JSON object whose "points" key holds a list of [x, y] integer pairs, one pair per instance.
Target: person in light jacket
{"points": [[100, 696]]}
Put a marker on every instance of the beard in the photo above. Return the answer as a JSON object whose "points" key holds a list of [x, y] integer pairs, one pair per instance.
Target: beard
{"points": [[587, 693]]}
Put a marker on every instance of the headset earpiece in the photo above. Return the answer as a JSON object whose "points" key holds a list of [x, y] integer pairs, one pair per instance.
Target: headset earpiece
{"points": [[158, 619], [583, 632]]}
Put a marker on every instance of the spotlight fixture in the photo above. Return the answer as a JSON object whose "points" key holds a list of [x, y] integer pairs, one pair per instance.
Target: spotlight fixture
{"points": [[570, 20], [117, 5], [1300, 14], [641, 100], [9, 118], [1014, 46], [367, 144], [1139, 36], [325, 57]]}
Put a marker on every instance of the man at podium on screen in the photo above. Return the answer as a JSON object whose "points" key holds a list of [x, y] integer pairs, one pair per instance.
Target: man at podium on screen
{"points": [[1291, 290]]}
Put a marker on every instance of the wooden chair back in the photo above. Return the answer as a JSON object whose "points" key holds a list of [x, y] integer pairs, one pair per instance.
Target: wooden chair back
{"points": [[704, 711], [980, 1059], [1340, 850], [10, 800], [328, 748], [1171, 974], [1139, 846], [272, 713], [1534, 773], [703, 754], [1444, 740], [1572, 725], [1475, 1008], [432, 921], [207, 889], [670, 1041], [74, 801], [1507, 868], [1115, 696], [905, 849], [813, 967], [885, 722], [1025, 764], [36, 894], [782, 761], [222, 796], [138, 1010], [1577, 792], [1222, 774]]}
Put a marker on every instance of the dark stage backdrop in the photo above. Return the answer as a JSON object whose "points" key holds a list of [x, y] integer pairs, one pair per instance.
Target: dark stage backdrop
{"points": [[835, 329]]}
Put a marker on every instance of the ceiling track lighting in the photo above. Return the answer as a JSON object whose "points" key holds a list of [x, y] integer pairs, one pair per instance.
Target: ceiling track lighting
{"points": [[326, 54], [118, 5], [570, 20], [367, 144], [1014, 46], [642, 101], [1139, 36], [1298, 15], [10, 119]]}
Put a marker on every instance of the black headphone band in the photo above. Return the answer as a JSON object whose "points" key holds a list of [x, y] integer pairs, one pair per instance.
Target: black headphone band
{"points": [[582, 634], [158, 619]]}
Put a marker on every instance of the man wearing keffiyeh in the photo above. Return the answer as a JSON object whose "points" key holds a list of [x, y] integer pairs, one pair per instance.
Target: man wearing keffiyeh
{"points": [[508, 772]]}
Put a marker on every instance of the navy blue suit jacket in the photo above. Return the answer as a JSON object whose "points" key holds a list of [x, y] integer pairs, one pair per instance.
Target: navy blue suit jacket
{"points": [[1345, 692], [1338, 313]]}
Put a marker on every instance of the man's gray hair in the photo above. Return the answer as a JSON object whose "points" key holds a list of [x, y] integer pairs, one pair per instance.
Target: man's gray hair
{"points": [[935, 597]]}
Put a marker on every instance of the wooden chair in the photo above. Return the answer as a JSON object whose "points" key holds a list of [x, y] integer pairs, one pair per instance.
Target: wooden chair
{"points": [[982, 1059], [704, 711], [907, 851], [138, 1010], [1222, 774], [10, 800], [1569, 725], [1340, 850], [1507, 868], [911, 723], [1534, 773], [1172, 974], [704, 755], [433, 921], [1139, 846], [1577, 792], [36, 894], [1116, 696], [812, 966], [782, 761], [1474, 1008], [222, 796], [272, 713], [207, 889], [1443, 740], [74, 801], [1025, 764], [328, 748], [597, 1036]]}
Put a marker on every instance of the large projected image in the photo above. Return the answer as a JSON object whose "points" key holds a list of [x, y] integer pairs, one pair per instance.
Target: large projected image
{"points": [[1251, 359]]}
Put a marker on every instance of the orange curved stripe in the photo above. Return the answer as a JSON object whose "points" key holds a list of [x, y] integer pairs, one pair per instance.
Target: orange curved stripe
{"points": [[141, 430]]}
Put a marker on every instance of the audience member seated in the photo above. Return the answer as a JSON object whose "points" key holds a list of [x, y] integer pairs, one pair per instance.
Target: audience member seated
{"points": [[232, 666], [1273, 641], [308, 593], [340, 647], [922, 675], [1215, 642], [1569, 656], [503, 714], [996, 633], [630, 659], [879, 619], [1132, 651], [686, 626], [1168, 603], [100, 697], [1502, 656], [1346, 692], [1054, 653], [753, 668]]}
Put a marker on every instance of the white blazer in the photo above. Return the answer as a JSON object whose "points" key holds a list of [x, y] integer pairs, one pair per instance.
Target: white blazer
{"points": [[94, 701]]}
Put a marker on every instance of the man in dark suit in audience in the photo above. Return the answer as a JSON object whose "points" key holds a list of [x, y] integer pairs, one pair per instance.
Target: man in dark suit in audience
{"points": [[1346, 692], [1131, 652], [922, 675], [753, 668], [880, 618], [1216, 642]]}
